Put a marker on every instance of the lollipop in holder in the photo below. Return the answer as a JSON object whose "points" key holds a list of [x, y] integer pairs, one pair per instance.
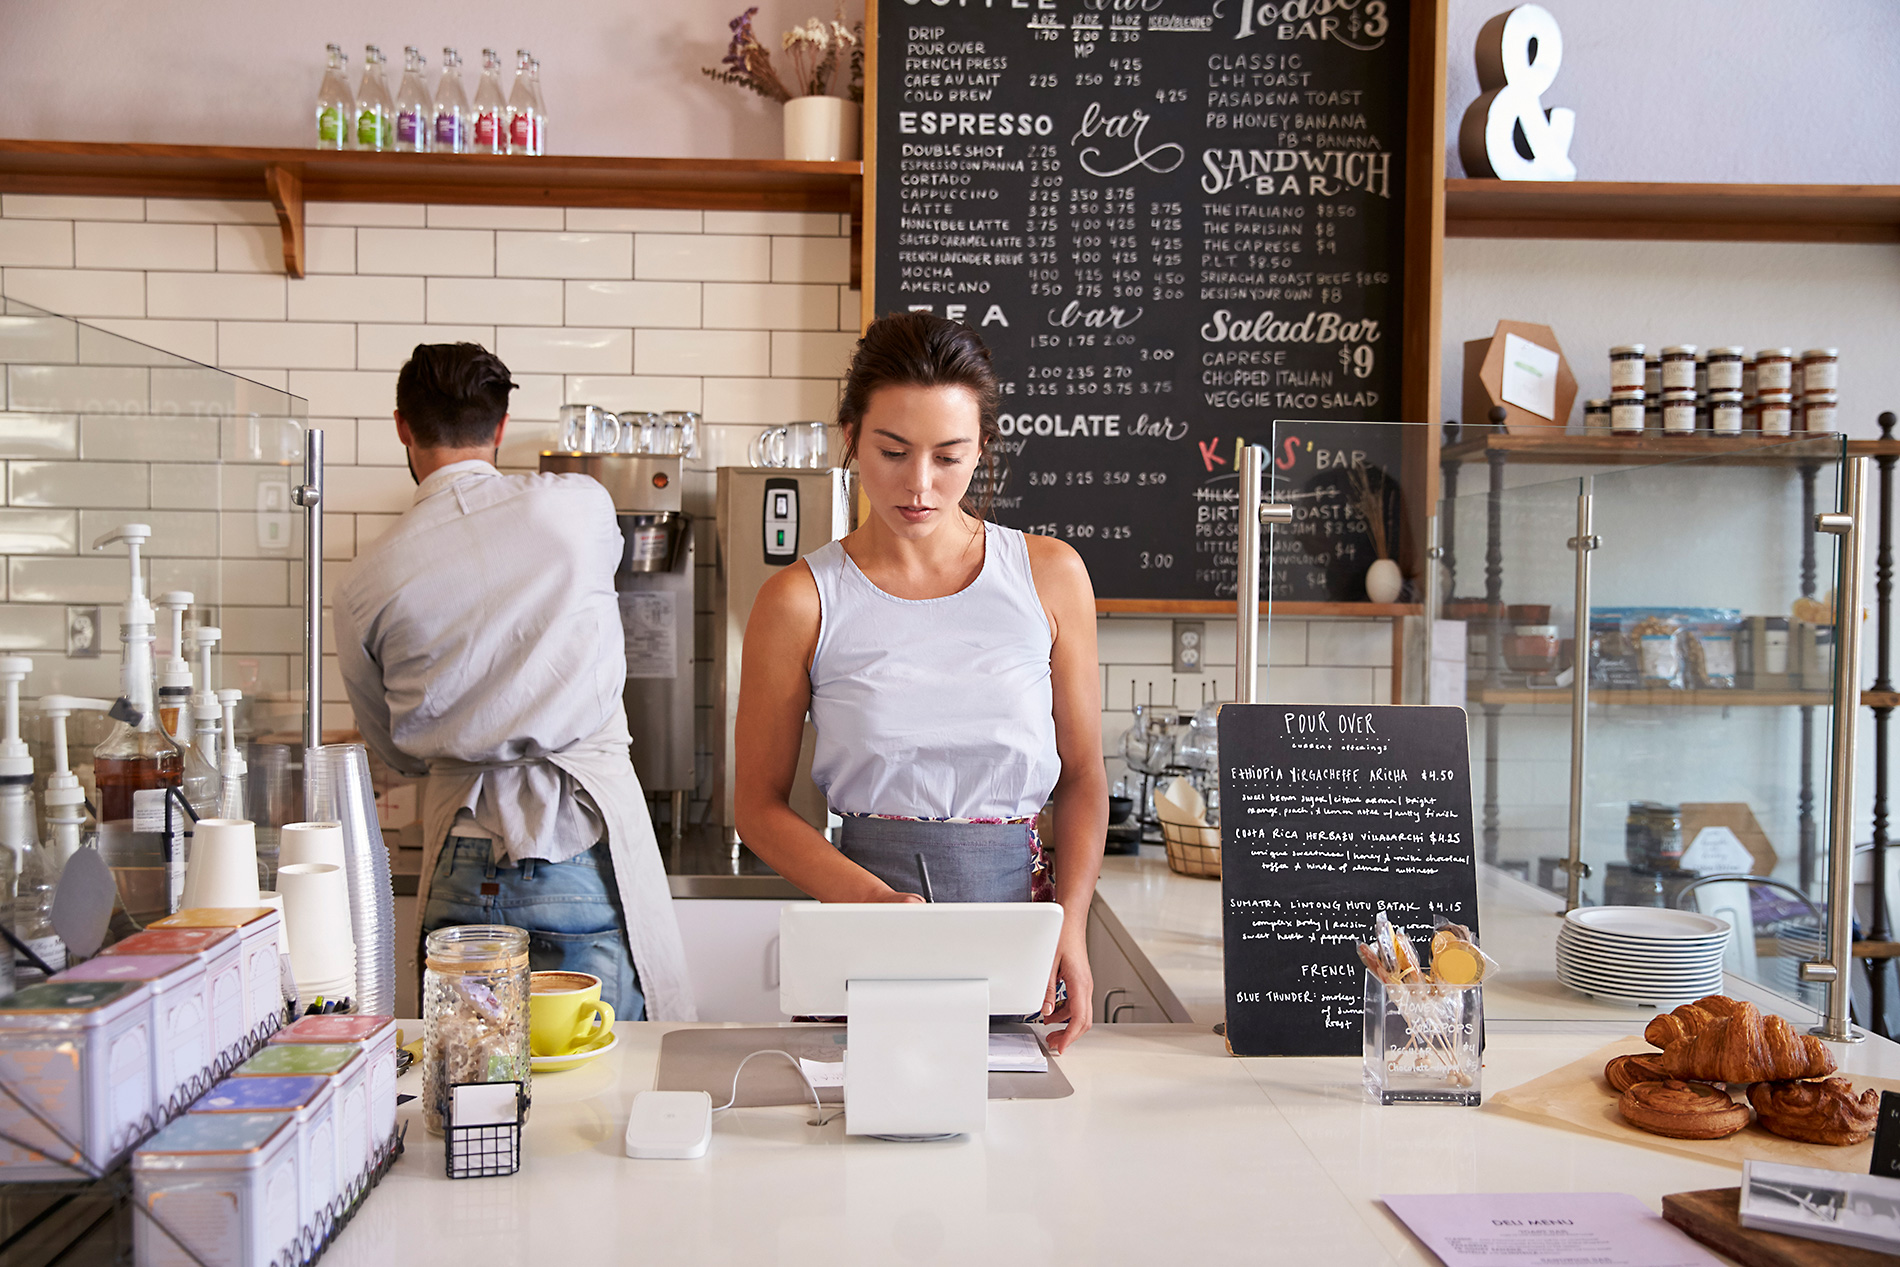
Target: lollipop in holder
{"points": [[1423, 1021]]}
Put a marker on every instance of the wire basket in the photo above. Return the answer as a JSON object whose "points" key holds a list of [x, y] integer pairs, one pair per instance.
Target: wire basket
{"points": [[1192, 850], [482, 1150]]}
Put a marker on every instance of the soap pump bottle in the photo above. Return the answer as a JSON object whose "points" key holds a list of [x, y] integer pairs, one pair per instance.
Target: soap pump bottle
{"points": [[67, 831], [175, 700], [233, 770], [202, 756], [138, 766]]}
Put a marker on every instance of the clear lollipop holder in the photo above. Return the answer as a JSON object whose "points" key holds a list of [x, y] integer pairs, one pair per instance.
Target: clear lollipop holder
{"points": [[1424, 1043]]}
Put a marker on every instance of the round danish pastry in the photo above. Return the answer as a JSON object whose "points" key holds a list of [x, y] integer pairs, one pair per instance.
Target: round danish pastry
{"points": [[1816, 1112], [1625, 1072], [1682, 1110]]}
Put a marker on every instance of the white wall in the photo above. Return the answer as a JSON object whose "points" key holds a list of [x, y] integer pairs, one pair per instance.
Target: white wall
{"points": [[1713, 90], [620, 77]]}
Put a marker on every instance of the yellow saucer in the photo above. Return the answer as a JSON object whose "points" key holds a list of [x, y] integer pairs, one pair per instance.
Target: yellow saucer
{"points": [[573, 1059]]}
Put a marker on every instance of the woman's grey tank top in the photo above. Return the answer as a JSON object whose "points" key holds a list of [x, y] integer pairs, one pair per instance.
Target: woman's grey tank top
{"points": [[936, 707]]}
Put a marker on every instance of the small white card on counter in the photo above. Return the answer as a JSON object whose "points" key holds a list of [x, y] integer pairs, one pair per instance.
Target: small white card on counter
{"points": [[1530, 376], [485, 1104], [1544, 1229], [1009, 1053]]}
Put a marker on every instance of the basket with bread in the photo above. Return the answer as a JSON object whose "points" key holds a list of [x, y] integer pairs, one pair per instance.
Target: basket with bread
{"points": [[1718, 1042]]}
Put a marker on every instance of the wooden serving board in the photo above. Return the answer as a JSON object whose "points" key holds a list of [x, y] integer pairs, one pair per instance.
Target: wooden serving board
{"points": [[1713, 1217], [1577, 1097]]}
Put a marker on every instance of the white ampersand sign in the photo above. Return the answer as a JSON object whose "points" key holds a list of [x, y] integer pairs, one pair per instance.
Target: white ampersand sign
{"points": [[1507, 133]]}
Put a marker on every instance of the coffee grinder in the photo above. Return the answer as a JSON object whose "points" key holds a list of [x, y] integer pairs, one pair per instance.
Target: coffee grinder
{"points": [[654, 585]]}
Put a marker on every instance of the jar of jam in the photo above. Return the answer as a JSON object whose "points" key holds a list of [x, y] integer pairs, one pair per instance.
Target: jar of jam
{"points": [[1821, 411], [1775, 413], [1725, 369], [1596, 417], [1626, 366], [1626, 411], [1678, 412], [1652, 377], [1820, 370], [1701, 374], [1725, 413], [1678, 368], [1774, 370]]}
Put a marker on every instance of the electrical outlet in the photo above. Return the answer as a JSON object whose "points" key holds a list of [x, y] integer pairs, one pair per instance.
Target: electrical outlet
{"points": [[1190, 645], [273, 514], [82, 633]]}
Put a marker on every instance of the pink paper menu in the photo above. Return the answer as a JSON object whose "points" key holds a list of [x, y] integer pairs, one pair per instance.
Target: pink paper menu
{"points": [[1534, 1229]]}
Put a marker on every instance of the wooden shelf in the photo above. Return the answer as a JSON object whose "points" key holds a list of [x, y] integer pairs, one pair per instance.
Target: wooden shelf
{"points": [[1199, 607], [1645, 450], [1672, 212], [1658, 697], [292, 177]]}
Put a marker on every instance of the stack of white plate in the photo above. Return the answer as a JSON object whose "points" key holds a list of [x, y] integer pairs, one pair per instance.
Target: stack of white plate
{"points": [[1641, 954]]}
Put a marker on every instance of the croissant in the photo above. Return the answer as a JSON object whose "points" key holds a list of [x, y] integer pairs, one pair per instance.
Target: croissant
{"points": [[1690, 1018], [1747, 1047], [1624, 1072], [1682, 1110], [1816, 1112]]}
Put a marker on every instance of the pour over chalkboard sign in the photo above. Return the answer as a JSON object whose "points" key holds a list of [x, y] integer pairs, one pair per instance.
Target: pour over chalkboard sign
{"points": [[1329, 814], [1173, 222]]}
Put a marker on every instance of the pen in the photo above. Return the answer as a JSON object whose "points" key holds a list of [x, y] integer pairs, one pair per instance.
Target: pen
{"points": [[923, 873]]}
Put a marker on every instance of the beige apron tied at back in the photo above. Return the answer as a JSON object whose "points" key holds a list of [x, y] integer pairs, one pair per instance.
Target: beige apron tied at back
{"points": [[602, 767]]}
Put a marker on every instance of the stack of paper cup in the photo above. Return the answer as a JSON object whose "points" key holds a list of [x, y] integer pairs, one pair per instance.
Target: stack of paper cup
{"points": [[222, 867], [317, 921], [310, 842]]}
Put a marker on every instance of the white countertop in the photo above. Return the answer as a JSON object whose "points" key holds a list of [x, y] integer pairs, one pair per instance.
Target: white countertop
{"points": [[1169, 1151]]}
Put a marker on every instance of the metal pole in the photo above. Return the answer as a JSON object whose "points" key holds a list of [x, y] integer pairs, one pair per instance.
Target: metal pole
{"points": [[309, 495], [1883, 686], [1584, 543], [1253, 516], [1836, 971]]}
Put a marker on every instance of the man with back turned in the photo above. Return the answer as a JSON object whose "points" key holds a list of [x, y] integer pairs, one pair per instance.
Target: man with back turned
{"points": [[480, 643]]}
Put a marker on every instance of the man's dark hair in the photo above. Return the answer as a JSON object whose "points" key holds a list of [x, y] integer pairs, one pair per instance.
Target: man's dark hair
{"points": [[452, 395]]}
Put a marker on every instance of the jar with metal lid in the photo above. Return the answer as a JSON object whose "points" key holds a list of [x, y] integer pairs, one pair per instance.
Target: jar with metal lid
{"points": [[474, 1012], [1596, 417], [1820, 370], [1652, 377], [1725, 413], [1725, 369], [1821, 411], [1626, 411], [1774, 370], [1678, 412], [1678, 368], [1626, 366], [1775, 413]]}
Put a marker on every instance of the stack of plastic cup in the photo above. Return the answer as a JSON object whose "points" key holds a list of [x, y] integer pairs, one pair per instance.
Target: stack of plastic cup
{"points": [[337, 789], [317, 922], [222, 867]]}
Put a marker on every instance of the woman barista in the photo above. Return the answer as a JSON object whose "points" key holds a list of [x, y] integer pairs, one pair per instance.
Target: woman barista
{"points": [[948, 665]]}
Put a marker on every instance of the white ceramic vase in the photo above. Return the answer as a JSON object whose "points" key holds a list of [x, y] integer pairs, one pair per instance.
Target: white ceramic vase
{"points": [[821, 130], [1384, 581]]}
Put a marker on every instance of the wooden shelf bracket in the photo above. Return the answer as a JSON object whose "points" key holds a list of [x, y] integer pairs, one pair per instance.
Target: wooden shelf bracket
{"points": [[284, 183]]}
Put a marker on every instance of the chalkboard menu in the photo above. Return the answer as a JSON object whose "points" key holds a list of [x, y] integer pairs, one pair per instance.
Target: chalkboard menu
{"points": [[1173, 222], [1330, 814]]}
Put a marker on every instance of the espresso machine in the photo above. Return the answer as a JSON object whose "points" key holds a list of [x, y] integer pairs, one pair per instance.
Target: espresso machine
{"points": [[654, 585], [768, 518]]}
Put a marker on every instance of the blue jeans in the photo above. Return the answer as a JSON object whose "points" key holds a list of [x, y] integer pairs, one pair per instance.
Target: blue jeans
{"points": [[571, 911]]}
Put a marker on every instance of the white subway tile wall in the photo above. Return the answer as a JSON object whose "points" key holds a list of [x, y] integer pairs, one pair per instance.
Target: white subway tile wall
{"points": [[747, 317]]}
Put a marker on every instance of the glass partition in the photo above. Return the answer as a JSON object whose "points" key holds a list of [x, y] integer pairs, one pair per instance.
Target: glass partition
{"points": [[98, 430], [1707, 741]]}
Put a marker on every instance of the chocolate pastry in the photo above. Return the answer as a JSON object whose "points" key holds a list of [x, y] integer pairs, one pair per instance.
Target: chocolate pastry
{"points": [[1816, 1112], [1746, 1046], [1682, 1110], [1692, 1018], [1625, 1072]]}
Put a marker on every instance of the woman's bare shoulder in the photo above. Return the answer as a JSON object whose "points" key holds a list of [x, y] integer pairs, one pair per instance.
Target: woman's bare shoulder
{"points": [[1058, 569]]}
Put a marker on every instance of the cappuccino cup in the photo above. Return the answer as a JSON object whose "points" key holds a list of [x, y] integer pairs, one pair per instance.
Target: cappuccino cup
{"points": [[565, 1012]]}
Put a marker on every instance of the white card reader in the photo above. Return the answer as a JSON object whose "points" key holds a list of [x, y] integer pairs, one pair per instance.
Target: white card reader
{"points": [[669, 1125], [781, 522]]}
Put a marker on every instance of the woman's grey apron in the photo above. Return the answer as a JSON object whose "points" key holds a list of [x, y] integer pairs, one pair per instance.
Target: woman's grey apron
{"points": [[969, 862]]}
